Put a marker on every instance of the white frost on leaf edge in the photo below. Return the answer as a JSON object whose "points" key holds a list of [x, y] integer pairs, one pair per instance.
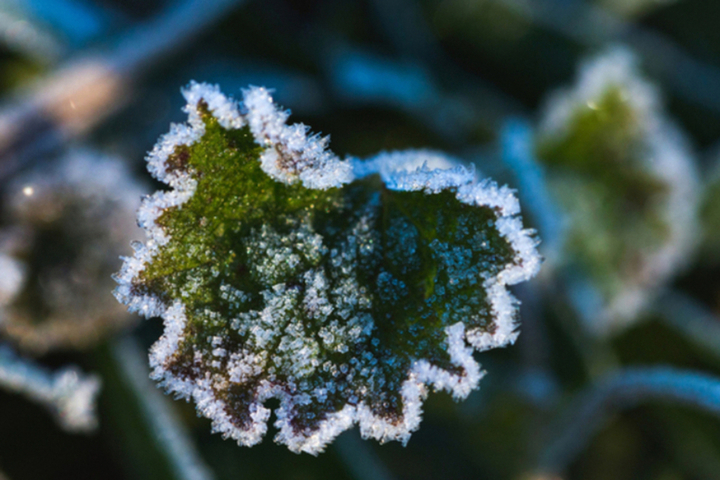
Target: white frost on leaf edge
{"points": [[411, 171], [316, 167], [292, 153], [319, 169], [413, 391], [389, 163], [671, 160], [668, 156], [617, 66]]}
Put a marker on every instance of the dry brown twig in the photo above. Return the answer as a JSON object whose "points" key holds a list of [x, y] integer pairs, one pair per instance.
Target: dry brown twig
{"points": [[88, 88]]}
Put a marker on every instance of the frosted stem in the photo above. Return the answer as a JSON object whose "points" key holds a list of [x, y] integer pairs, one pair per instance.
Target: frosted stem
{"points": [[184, 20], [360, 459], [29, 37], [625, 389], [166, 426], [69, 394], [88, 88]]}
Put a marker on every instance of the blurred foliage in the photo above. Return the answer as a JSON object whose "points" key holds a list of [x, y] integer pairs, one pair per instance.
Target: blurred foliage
{"points": [[479, 62]]}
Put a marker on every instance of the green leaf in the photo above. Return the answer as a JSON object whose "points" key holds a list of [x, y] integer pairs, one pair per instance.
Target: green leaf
{"points": [[627, 182], [342, 288]]}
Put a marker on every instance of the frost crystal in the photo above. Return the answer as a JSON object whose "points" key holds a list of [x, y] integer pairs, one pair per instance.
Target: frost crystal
{"points": [[628, 181], [341, 288], [61, 233]]}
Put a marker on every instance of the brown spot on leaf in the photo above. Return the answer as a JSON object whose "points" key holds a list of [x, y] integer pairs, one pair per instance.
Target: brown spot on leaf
{"points": [[238, 399], [178, 160]]}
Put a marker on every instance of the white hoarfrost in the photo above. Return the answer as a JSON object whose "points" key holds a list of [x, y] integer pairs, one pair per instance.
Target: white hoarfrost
{"points": [[411, 171], [291, 155], [413, 392], [388, 163], [292, 152], [666, 155]]}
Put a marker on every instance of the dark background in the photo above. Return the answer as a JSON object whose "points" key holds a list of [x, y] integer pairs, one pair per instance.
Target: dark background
{"points": [[381, 75]]}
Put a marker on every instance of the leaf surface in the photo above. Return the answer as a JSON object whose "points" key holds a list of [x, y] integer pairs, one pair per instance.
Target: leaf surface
{"points": [[342, 288]]}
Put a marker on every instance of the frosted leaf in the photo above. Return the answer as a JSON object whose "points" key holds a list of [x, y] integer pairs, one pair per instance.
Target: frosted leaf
{"points": [[294, 154], [343, 298], [628, 182], [63, 228], [387, 164]]}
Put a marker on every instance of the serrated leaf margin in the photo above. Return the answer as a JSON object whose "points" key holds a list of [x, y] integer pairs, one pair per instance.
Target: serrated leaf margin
{"points": [[319, 168]]}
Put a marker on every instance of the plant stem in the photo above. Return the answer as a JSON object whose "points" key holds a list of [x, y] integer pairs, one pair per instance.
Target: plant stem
{"points": [[167, 427], [87, 89], [622, 390], [360, 459], [518, 154]]}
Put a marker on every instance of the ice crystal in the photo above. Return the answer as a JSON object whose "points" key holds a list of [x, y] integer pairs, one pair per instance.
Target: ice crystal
{"points": [[627, 180], [63, 229], [341, 288]]}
